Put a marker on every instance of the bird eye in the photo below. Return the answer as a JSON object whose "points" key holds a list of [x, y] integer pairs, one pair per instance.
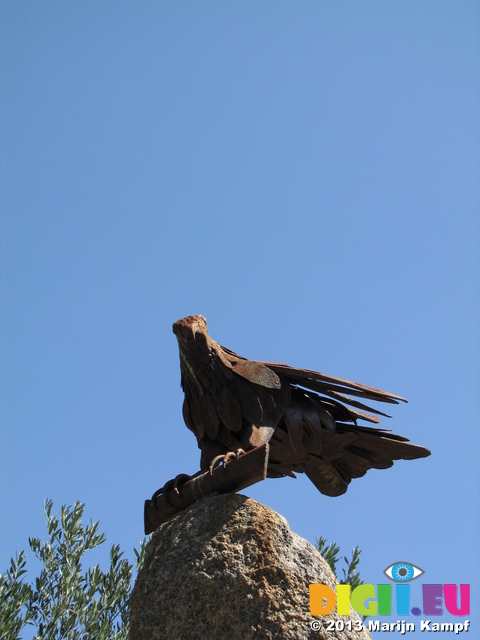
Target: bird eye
{"points": [[403, 572]]}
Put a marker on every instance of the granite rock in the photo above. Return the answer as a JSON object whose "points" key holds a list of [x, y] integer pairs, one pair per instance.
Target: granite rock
{"points": [[230, 568]]}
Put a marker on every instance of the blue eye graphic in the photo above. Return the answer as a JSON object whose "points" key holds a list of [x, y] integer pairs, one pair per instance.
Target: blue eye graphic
{"points": [[403, 571]]}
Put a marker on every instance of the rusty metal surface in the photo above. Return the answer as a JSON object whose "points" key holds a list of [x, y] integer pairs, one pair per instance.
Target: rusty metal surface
{"points": [[237, 474], [311, 421]]}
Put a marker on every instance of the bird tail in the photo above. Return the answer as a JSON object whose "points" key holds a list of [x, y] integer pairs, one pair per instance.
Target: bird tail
{"points": [[351, 451], [320, 437]]}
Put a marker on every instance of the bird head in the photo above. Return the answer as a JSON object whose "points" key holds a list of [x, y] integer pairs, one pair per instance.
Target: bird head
{"points": [[190, 329]]}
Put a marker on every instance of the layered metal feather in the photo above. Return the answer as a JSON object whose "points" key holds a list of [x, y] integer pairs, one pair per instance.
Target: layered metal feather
{"points": [[309, 419]]}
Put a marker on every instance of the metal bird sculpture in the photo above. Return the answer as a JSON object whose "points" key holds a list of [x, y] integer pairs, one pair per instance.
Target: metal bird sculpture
{"points": [[308, 419]]}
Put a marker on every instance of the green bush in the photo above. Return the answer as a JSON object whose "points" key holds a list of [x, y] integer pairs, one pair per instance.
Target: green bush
{"points": [[330, 554], [64, 602]]}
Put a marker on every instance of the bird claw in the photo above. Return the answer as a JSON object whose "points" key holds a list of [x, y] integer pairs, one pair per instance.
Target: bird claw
{"points": [[171, 485], [225, 458]]}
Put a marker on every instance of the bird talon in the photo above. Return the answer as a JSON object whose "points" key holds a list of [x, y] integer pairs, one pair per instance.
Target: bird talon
{"points": [[180, 479], [217, 460], [225, 458], [171, 485]]}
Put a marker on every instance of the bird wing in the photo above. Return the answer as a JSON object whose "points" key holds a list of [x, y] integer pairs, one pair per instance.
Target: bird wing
{"points": [[338, 389]]}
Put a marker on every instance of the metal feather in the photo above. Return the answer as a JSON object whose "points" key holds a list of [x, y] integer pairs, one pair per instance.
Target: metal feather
{"points": [[309, 419]]}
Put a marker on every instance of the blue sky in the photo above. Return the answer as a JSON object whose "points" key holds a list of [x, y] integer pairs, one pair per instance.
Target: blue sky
{"points": [[307, 176]]}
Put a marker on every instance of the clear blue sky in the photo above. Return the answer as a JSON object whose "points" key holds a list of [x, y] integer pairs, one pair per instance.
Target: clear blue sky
{"points": [[304, 174]]}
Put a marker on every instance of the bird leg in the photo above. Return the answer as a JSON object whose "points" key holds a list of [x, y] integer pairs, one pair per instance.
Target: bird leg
{"points": [[225, 458]]}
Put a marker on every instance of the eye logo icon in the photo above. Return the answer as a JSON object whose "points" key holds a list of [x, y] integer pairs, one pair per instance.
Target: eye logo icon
{"points": [[403, 572]]}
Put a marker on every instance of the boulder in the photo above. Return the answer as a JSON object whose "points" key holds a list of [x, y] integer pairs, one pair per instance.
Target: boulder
{"points": [[229, 568]]}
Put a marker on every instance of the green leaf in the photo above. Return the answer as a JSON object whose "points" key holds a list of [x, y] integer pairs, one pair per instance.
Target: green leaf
{"points": [[63, 602]]}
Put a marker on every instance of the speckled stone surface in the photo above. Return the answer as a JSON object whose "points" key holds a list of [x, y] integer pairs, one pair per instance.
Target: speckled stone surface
{"points": [[230, 568]]}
